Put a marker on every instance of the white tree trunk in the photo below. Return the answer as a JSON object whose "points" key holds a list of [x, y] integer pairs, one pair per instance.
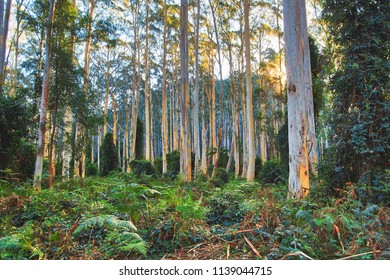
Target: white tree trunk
{"points": [[44, 101], [300, 120], [250, 176]]}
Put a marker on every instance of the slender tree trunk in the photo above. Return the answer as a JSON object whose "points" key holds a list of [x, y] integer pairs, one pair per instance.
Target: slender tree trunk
{"points": [[176, 134], [196, 93], [250, 176], [243, 107], [136, 87], [213, 116], [147, 111], [83, 129], [115, 117], [44, 100], [164, 113], [107, 76], [203, 166], [185, 154], [298, 86], [220, 90], [3, 38]]}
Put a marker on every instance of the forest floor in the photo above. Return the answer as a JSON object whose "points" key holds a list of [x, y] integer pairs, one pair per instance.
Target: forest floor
{"points": [[127, 217]]}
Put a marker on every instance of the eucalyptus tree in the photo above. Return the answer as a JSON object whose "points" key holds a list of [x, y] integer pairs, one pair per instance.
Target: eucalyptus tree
{"points": [[301, 131], [44, 100], [185, 149]]}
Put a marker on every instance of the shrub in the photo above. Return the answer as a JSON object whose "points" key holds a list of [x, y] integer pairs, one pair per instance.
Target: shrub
{"points": [[24, 162], [139, 167], [109, 158], [273, 172], [258, 166], [224, 210], [91, 169], [221, 178], [158, 166], [173, 164], [139, 141]]}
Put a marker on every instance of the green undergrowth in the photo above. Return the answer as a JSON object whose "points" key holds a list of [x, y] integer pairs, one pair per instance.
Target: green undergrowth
{"points": [[142, 217]]}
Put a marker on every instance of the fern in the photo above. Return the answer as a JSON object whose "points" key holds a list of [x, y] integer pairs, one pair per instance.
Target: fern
{"points": [[120, 237], [20, 245]]}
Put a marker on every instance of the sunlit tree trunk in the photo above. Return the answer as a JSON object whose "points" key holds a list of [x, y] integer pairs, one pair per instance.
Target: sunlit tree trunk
{"points": [[147, 104], [83, 129], [164, 111], [203, 166], [243, 107], [298, 86], [4, 24], [44, 100], [185, 154], [196, 93], [107, 77], [217, 155], [136, 86], [250, 176]]}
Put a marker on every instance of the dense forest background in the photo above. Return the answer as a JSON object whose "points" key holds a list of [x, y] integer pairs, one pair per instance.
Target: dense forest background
{"points": [[194, 129]]}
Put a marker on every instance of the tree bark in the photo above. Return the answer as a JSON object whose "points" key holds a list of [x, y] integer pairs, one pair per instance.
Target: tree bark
{"points": [[147, 110], [185, 154], [136, 86], [4, 24], [196, 93], [298, 86], [44, 100], [164, 113]]}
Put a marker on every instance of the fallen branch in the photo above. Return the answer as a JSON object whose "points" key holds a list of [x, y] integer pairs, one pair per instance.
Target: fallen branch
{"points": [[252, 247], [297, 253], [200, 244], [361, 254]]}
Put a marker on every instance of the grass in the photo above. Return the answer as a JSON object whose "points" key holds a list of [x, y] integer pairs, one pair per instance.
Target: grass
{"points": [[124, 217]]}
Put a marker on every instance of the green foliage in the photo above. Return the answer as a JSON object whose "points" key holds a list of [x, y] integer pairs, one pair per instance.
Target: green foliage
{"points": [[91, 169], [173, 164], [21, 245], [139, 141], [220, 178], [109, 155], [24, 160], [158, 166], [258, 166], [361, 115], [95, 219], [16, 153], [273, 172], [225, 209], [139, 167], [114, 235]]}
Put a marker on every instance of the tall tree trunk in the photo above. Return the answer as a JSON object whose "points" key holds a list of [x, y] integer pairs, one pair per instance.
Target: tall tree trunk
{"points": [[147, 110], [298, 86], [203, 166], [243, 107], [176, 134], [136, 86], [164, 113], [44, 100], [196, 93], [4, 24], [249, 105], [83, 129], [220, 90], [185, 154], [107, 76]]}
